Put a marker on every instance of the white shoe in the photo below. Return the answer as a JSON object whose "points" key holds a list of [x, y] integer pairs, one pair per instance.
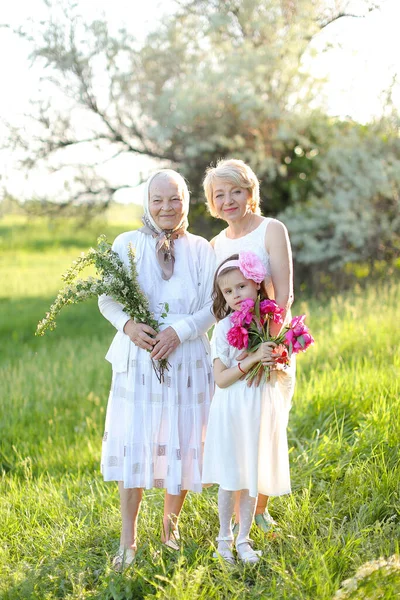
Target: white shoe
{"points": [[224, 550], [248, 555]]}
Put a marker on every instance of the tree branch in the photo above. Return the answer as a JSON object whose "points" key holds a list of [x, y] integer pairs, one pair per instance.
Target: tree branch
{"points": [[341, 14]]}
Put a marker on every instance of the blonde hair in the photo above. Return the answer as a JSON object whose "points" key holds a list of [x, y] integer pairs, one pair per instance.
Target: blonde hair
{"points": [[237, 172]]}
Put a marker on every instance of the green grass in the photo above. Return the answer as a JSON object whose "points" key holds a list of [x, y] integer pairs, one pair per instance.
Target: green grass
{"points": [[59, 522]]}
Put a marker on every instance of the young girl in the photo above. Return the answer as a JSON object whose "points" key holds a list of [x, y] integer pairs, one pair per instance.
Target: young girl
{"points": [[246, 444]]}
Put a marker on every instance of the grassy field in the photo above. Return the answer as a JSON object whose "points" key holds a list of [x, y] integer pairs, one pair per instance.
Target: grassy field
{"points": [[59, 522]]}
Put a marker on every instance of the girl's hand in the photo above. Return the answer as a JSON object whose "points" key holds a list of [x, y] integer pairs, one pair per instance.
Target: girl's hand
{"points": [[166, 342], [259, 377], [139, 334], [264, 354]]}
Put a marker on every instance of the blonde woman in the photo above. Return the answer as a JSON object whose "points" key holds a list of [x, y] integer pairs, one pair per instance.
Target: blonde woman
{"points": [[233, 194]]}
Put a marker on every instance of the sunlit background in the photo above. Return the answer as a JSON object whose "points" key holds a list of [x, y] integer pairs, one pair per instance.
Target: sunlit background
{"points": [[201, 80], [357, 57]]}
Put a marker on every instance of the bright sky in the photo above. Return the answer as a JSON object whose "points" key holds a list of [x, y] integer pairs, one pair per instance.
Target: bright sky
{"points": [[364, 63], [357, 71]]}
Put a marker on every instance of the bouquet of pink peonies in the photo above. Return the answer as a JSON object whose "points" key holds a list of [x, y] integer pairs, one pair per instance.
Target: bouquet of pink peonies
{"points": [[250, 328]]}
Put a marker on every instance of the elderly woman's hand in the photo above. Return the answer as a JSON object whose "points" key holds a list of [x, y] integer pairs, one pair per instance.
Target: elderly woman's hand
{"points": [[166, 341], [140, 333]]}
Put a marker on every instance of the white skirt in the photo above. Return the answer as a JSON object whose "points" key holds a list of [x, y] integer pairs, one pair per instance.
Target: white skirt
{"points": [[246, 444], [154, 432]]}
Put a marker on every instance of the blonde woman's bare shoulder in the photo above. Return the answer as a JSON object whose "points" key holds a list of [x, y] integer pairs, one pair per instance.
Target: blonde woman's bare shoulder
{"points": [[276, 234], [276, 227]]}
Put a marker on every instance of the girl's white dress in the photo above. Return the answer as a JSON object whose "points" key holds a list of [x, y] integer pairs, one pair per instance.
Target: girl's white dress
{"points": [[154, 432], [246, 441]]}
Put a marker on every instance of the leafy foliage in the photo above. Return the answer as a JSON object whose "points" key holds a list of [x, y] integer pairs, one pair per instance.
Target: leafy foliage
{"points": [[212, 79], [215, 79], [353, 215]]}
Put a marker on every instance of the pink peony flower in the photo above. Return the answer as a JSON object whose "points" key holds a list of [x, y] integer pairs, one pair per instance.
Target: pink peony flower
{"points": [[271, 308], [238, 337], [237, 318], [297, 324], [297, 347], [252, 267], [268, 306], [247, 304], [298, 335], [307, 340], [289, 337], [244, 316]]}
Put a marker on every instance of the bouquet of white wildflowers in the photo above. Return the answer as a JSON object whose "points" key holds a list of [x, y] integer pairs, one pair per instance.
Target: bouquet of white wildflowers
{"points": [[115, 280]]}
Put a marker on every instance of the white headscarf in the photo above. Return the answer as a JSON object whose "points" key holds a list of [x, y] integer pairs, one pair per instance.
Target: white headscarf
{"points": [[146, 198], [165, 238]]}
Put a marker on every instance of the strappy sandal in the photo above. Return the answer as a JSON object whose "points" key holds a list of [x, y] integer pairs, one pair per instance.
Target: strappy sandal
{"points": [[123, 559], [226, 553], [174, 537], [249, 556], [172, 545], [175, 533], [265, 522]]}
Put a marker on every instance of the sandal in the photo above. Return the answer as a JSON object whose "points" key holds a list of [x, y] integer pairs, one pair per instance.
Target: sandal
{"points": [[175, 532], [172, 545], [124, 558], [265, 522], [174, 536]]}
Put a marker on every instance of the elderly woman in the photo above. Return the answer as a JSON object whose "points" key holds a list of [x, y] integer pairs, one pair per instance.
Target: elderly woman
{"points": [[154, 430], [232, 193]]}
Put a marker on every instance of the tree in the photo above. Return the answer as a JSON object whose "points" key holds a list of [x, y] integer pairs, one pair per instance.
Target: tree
{"points": [[353, 215], [216, 78]]}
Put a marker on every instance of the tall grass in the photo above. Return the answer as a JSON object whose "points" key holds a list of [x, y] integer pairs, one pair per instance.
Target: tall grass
{"points": [[59, 522]]}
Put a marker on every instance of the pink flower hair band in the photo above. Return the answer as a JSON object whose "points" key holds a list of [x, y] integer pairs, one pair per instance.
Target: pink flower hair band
{"points": [[249, 264]]}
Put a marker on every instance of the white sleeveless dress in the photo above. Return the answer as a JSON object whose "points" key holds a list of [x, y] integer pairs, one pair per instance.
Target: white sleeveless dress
{"points": [[246, 439], [254, 242]]}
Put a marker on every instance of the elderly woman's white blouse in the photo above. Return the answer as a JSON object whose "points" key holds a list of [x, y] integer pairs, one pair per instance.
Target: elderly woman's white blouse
{"points": [[188, 292], [154, 432]]}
